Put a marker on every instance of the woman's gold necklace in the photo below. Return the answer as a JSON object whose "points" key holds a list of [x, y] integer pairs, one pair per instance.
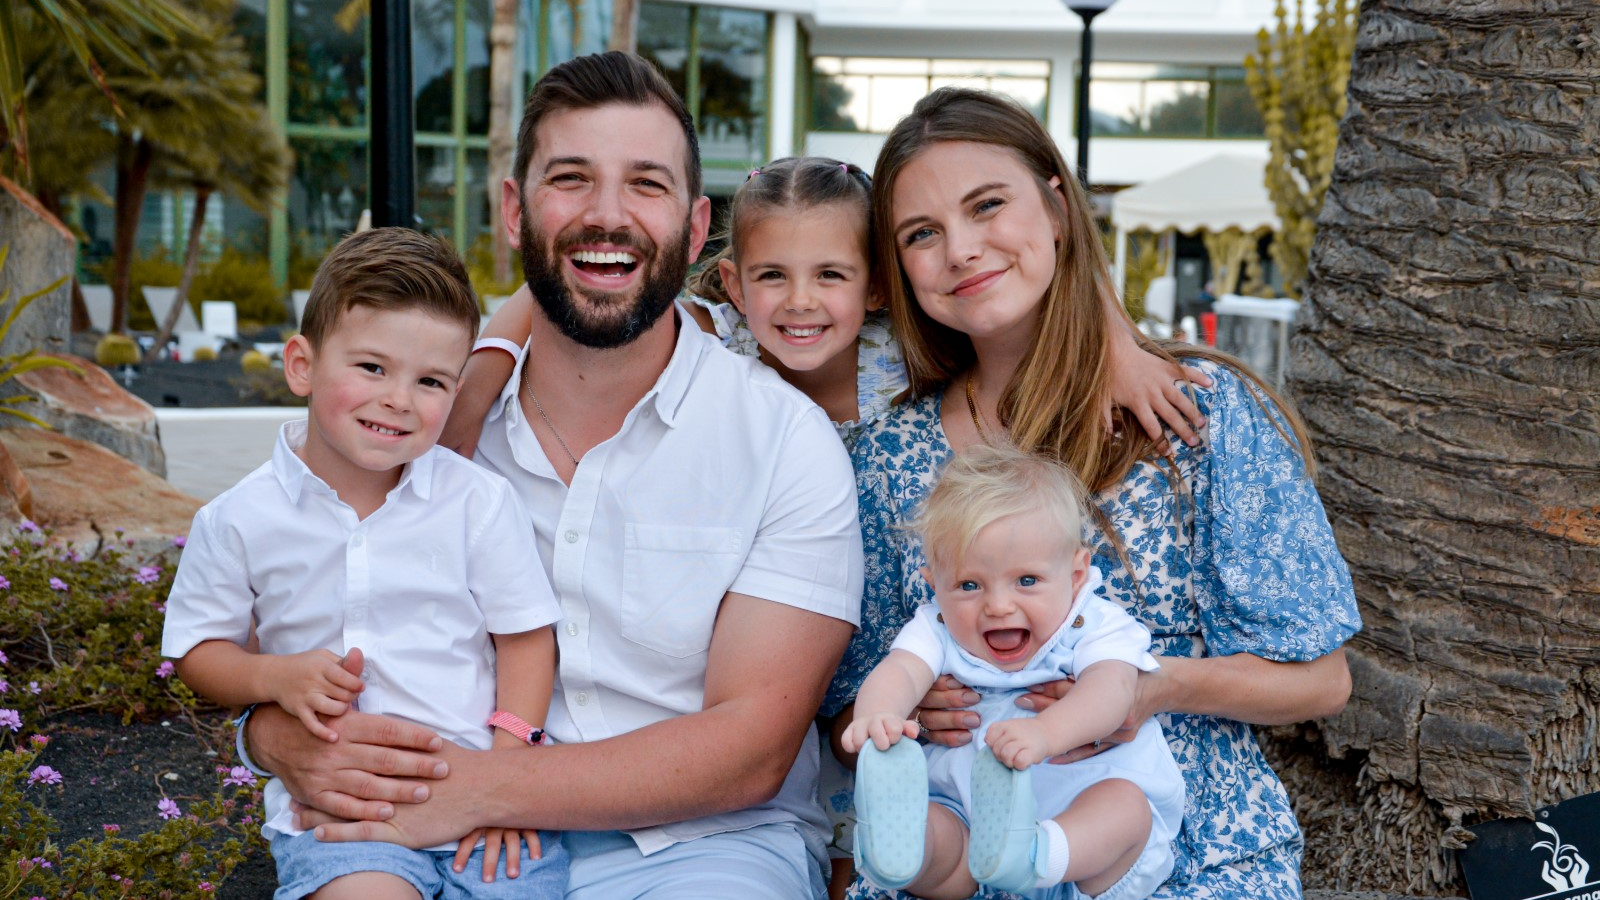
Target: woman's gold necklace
{"points": [[972, 407]]}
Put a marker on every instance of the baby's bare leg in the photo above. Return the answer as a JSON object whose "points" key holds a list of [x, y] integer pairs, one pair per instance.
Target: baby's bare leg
{"points": [[944, 859], [367, 886], [1106, 827]]}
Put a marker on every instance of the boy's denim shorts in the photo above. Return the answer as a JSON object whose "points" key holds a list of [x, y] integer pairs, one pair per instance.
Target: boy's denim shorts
{"points": [[305, 864]]}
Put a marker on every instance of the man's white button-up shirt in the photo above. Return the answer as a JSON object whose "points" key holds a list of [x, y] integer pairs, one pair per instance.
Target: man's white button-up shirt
{"points": [[723, 478], [418, 585]]}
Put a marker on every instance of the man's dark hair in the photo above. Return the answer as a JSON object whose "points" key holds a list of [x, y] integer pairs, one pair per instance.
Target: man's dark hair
{"points": [[589, 82]]}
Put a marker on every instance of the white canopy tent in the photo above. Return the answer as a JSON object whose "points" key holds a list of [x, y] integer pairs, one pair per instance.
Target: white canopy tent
{"points": [[1225, 191]]}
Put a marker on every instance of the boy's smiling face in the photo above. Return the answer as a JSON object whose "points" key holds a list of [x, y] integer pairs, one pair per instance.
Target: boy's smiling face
{"points": [[1010, 591], [380, 389]]}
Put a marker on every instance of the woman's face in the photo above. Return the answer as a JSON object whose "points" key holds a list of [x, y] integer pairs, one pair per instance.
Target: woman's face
{"points": [[975, 239]]}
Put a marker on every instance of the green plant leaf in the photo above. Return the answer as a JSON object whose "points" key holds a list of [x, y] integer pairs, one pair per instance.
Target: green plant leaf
{"points": [[30, 363], [5, 411]]}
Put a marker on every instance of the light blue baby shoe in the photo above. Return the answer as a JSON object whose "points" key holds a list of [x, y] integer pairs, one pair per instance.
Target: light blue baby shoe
{"points": [[1000, 848], [891, 812]]}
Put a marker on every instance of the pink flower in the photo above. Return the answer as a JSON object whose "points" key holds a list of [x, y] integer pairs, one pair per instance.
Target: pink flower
{"points": [[28, 525], [44, 774], [4, 685], [165, 669], [205, 886], [241, 776], [179, 541], [33, 687], [167, 808], [39, 740], [4, 583], [57, 584], [111, 828], [10, 718], [148, 575], [3, 658]]}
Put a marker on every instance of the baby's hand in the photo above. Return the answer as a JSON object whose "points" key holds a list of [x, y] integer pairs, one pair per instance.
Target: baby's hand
{"points": [[309, 683], [1019, 743], [494, 839], [883, 729]]}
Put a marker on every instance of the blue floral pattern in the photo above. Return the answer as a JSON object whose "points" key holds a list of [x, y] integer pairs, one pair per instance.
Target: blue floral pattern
{"points": [[1240, 559]]}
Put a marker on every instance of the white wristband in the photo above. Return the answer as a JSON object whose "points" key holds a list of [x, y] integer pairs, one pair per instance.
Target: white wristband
{"points": [[238, 743], [494, 343]]}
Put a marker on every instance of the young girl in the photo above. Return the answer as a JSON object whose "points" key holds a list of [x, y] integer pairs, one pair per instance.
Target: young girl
{"points": [[1016, 606]]}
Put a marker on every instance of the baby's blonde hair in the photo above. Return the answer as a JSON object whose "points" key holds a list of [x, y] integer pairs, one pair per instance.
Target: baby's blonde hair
{"points": [[988, 483]]}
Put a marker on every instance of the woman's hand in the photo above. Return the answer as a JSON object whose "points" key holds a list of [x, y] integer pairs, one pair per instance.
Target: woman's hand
{"points": [[481, 383], [946, 713]]}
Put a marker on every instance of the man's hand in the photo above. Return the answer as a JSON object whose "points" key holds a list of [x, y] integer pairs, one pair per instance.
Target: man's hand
{"points": [[312, 683], [362, 774]]}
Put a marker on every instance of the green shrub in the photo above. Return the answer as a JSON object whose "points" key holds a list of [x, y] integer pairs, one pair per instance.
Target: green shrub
{"points": [[480, 268], [116, 350], [246, 281], [255, 361], [81, 634]]}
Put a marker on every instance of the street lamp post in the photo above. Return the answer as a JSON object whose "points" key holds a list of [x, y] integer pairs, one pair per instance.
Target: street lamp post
{"points": [[1086, 10], [392, 165]]}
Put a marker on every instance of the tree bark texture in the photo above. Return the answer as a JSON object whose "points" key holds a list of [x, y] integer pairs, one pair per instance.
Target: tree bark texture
{"points": [[134, 159], [1448, 365], [191, 263]]}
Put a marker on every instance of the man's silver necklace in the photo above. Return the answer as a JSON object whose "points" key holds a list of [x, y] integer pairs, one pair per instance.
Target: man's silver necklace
{"points": [[528, 386]]}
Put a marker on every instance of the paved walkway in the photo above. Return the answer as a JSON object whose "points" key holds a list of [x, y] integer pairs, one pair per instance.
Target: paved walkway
{"points": [[208, 450]]}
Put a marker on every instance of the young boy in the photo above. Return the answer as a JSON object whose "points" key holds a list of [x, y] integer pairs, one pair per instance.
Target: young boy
{"points": [[1016, 605], [360, 534]]}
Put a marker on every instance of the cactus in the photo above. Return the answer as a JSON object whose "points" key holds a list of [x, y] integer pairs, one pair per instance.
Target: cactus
{"points": [[116, 350], [255, 361], [1298, 80], [204, 354]]}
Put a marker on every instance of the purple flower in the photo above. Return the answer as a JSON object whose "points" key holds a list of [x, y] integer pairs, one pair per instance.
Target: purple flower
{"points": [[33, 687], [28, 525], [57, 584], [4, 685], [168, 809], [10, 718], [179, 541], [3, 658], [44, 774], [111, 828], [205, 886], [241, 776], [165, 669], [39, 740], [147, 575], [4, 583]]}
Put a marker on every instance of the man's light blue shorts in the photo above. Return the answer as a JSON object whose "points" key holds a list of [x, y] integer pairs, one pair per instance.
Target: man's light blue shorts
{"points": [[768, 861], [306, 864]]}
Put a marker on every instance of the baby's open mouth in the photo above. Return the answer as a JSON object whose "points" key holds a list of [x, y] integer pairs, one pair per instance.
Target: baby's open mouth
{"points": [[1005, 643], [614, 264]]}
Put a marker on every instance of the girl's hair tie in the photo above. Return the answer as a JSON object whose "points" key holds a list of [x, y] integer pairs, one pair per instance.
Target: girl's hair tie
{"points": [[753, 173], [845, 168]]}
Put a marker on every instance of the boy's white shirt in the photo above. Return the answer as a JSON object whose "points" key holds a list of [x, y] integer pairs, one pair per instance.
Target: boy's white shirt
{"points": [[419, 585]]}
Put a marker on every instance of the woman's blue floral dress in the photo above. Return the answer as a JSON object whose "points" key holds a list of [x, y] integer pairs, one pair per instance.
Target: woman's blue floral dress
{"points": [[1245, 563]]}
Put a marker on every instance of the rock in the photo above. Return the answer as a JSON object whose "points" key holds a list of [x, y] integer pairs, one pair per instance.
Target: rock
{"points": [[85, 494], [41, 250], [91, 406], [16, 498]]}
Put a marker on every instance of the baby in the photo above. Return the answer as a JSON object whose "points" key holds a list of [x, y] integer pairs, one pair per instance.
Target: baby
{"points": [[1016, 606]]}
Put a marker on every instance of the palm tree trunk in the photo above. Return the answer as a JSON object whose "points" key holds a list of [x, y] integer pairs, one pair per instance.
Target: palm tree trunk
{"points": [[1446, 365], [502, 67], [191, 260], [133, 174], [624, 26]]}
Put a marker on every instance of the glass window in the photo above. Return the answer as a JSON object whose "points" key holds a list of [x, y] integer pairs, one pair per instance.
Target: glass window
{"points": [[477, 188], [436, 188], [327, 192], [327, 63], [480, 14], [733, 84], [569, 36], [433, 35], [664, 40], [1137, 99], [873, 93], [1237, 115]]}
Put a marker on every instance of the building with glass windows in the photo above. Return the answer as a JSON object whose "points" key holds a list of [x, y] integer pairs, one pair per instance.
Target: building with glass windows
{"points": [[763, 78]]}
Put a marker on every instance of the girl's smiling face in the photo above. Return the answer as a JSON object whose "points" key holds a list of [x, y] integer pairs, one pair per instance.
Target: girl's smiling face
{"points": [[800, 279], [975, 239]]}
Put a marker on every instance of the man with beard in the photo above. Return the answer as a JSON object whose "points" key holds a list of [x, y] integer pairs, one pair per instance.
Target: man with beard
{"points": [[696, 516]]}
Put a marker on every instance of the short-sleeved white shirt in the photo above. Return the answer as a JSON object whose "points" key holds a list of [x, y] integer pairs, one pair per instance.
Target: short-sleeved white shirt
{"points": [[419, 585], [722, 478]]}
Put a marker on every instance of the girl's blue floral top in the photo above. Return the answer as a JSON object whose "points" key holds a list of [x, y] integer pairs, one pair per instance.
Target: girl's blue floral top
{"points": [[1240, 560], [880, 366]]}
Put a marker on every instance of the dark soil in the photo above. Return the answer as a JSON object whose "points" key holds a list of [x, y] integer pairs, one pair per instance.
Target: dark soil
{"points": [[116, 774]]}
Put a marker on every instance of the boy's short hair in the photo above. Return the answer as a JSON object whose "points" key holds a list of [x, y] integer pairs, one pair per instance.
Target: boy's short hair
{"points": [[987, 483], [390, 269]]}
